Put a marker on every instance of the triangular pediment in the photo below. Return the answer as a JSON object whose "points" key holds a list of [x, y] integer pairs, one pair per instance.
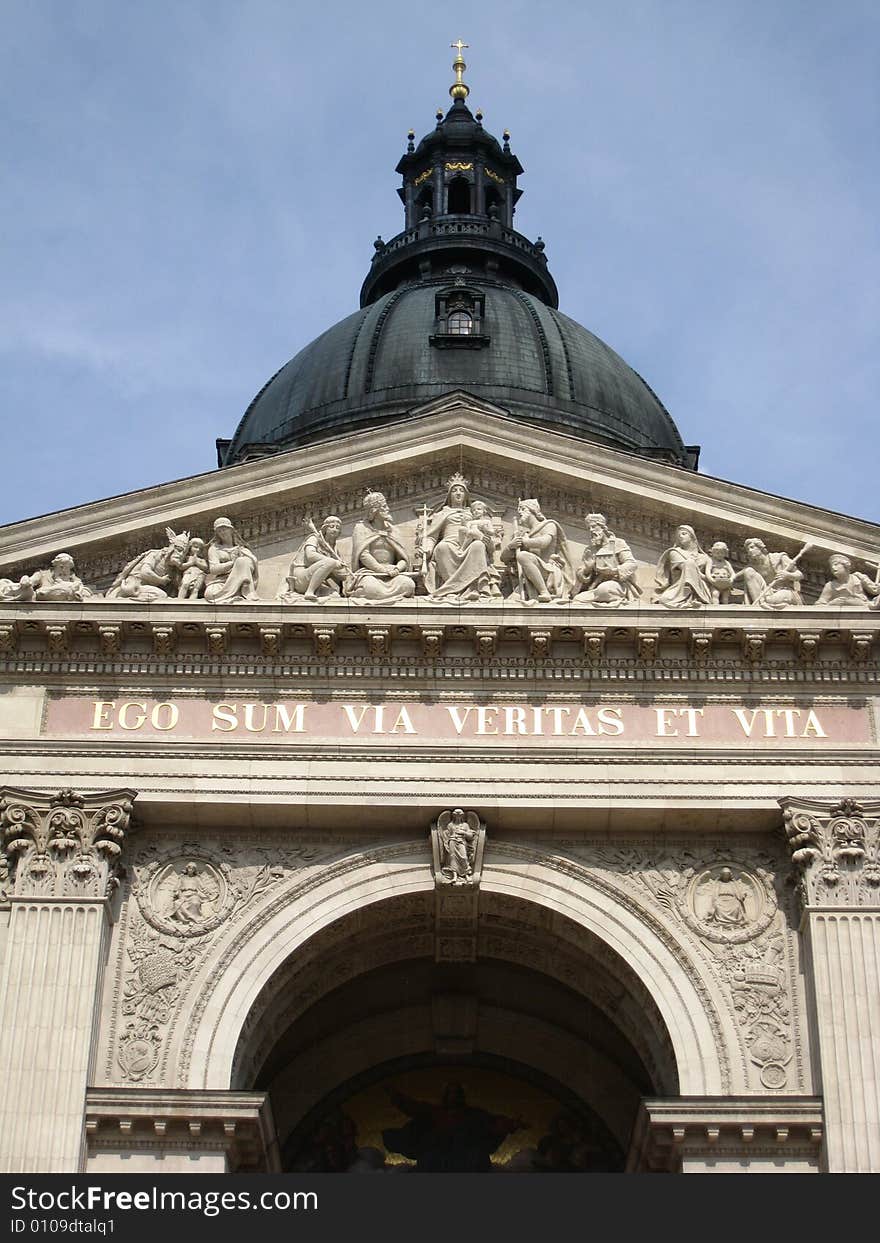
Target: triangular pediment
{"points": [[270, 500]]}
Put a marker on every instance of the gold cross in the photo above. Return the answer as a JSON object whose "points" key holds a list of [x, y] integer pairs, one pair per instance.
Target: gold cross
{"points": [[459, 45]]}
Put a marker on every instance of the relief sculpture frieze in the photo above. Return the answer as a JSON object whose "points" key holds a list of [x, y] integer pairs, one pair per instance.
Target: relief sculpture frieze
{"points": [[180, 904], [465, 551]]}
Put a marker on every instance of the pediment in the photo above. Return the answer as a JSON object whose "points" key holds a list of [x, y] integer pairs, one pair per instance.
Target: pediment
{"points": [[271, 500]]}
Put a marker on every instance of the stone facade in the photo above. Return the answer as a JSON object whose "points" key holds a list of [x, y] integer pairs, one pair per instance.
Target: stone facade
{"points": [[261, 842]]}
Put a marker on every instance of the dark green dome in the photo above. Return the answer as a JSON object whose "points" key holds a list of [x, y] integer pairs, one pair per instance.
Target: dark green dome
{"points": [[381, 362], [458, 300]]}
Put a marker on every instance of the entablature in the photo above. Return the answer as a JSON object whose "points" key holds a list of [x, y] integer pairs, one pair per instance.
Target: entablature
{"points": [[418, 639]]}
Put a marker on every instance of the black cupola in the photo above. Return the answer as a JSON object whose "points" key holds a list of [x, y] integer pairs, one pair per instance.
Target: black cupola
{"points": [[459, 196], [459, 301]]}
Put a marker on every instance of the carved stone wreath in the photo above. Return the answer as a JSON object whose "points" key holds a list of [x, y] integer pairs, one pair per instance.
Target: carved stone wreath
{"points": [[728, 905], [186, 897]]}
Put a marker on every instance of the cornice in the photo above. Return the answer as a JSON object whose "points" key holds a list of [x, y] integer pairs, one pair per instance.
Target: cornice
{"points": [[458, 423], [425, 643]]}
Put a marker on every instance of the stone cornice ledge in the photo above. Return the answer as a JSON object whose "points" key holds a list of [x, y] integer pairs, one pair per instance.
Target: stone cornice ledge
{"points": [[461, 424], [112, 627], [132, 1119], [769, 1128]]}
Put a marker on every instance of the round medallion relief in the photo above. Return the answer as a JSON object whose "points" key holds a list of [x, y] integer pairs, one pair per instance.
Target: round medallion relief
{"points": [[186, 897], [727, 904]]}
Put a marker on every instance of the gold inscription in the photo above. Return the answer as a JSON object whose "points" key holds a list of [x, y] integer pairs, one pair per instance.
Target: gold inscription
{"points": [[791, 723], [639, 723]]}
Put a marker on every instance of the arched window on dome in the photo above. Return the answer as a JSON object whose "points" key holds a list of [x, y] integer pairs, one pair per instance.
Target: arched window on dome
{"points": [[458, 197], [460, 324], [459, 313], [425, 200], [493, 203]]}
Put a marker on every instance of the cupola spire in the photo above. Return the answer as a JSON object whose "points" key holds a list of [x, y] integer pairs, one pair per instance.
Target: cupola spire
{"points": [[459, 90], [459, 193]]}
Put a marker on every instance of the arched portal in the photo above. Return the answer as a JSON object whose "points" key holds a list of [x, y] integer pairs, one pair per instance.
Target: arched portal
{"points": [[550, 1045], [343, 986]]}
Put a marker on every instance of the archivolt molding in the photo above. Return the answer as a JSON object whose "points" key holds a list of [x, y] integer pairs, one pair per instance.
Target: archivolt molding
{"points": [[715, 953], [348, 947], [723, 905], [227, 984]]}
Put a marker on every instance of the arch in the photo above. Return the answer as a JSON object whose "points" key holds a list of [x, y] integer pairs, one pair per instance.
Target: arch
{"points": [[492, 199], [460, 323], [225, 991], [425, 199], [458, 197]]}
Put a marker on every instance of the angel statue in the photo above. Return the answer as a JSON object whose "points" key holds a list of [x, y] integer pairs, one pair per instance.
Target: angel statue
{"points": [[458, 848], [191, 896], [154, 574]]}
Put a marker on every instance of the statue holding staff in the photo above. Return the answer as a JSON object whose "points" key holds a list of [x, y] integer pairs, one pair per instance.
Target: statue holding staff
{"points": [[317, 571]]}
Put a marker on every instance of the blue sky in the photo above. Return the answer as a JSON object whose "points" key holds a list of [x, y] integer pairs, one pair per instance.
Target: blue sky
{"points": [[191, 191]]}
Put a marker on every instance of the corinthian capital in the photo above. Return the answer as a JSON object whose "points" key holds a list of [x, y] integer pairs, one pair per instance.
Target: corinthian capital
{"points": [[836, 850], [63, 844]]}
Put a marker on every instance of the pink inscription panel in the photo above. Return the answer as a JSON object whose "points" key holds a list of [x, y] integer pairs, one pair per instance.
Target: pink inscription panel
{"points": [[413, 724]]}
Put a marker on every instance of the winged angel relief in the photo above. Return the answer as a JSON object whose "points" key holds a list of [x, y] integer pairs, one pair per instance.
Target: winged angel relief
{"points": [[189, 898]]}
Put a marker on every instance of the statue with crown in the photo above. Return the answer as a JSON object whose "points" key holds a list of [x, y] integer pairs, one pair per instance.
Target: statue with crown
{"points": [[458, 542]]}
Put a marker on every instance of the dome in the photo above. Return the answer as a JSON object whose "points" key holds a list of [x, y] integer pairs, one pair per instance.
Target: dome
{"points": [[457, 301], [530, 360]]}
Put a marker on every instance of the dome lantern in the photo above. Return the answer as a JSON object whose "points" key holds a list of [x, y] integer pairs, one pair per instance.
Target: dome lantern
{"points": [[457, 301]]}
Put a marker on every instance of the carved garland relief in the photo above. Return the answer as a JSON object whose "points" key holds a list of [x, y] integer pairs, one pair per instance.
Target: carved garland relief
{"points": [[731, 912]]}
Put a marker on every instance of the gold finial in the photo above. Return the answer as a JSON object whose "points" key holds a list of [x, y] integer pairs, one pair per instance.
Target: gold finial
{"points": [[459, 90]]}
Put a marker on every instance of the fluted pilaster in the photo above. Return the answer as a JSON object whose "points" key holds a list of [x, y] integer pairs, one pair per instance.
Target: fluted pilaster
{"points": [[63, 852], [835, 849]]}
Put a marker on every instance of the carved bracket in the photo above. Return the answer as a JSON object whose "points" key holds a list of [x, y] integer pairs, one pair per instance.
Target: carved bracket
{"points": [[164, 640], [379, 641], [270, 640], [8, 637], [64, 844], [486, 643]]}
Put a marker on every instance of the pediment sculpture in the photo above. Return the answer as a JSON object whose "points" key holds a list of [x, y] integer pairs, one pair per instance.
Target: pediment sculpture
{"points": [[853, 590], [606, 576], [539, 557], [459, 557], [155, 574], [381, 567], [457, 542], [57, 582], [317, 571]]}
